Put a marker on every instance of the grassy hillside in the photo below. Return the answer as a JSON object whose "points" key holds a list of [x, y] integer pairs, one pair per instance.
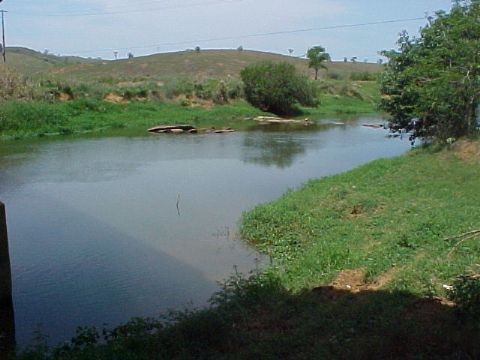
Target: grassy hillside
{"points": [[29, 62], [206, 64]]}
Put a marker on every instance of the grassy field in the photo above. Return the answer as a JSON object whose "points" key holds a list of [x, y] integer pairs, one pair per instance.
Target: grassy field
{"points": [[360, 261]]}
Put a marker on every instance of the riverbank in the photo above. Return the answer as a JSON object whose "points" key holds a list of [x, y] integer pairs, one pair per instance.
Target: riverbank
{"points": [[361, 260], [28, 119]]}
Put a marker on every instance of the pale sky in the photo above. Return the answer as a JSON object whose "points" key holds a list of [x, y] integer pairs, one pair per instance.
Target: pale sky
{"points": [[95, 28]]}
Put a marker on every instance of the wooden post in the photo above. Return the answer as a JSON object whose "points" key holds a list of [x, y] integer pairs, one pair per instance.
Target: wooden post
{"points": [[7, 320]]}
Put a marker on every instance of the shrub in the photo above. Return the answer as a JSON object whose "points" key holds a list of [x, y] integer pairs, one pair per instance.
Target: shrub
{"points": [[12, 86], [466, 294], [235, 89], [363, 76], [277, 87], [333, 75], [221, 95], [177, 88]]}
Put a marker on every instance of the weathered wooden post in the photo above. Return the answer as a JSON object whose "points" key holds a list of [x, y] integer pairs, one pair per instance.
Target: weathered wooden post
{"points": [[7, 320]]}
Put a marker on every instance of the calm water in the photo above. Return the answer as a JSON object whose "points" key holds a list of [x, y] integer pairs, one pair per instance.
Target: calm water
{"points": [[96, 235]]}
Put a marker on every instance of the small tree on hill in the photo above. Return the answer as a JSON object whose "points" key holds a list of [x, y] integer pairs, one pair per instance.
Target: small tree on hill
{"points": [[316, 58], [277, 87], [435, 78]]}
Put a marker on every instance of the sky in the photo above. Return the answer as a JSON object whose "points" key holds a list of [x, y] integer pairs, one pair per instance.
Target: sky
{"points": [[96, 28]]}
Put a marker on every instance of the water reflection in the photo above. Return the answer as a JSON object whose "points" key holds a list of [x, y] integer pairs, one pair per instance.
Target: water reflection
{"points": [[7, 328], [271, 150]]}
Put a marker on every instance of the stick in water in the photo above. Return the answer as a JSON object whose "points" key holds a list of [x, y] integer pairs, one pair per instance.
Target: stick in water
{"points": [[178, 204]]}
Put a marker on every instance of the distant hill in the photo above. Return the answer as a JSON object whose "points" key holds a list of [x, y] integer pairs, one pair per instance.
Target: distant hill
{"points": [[29, 62], [219, 64]]}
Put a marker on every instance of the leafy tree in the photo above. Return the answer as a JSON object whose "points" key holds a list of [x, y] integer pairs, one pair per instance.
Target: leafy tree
{"points": [[316, 58], [277, 87], [435, 79]]}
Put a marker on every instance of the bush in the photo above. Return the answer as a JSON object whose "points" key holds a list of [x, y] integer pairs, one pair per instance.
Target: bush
{"points": [[12, 85], [363, 76], [221, 95], [466, 294], [333, 75], [277, 87]]}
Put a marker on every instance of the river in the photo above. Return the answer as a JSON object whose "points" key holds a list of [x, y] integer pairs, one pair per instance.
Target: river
{"points": [[103, 229]]}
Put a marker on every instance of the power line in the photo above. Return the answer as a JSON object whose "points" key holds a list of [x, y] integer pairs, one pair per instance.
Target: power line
{"points": [[273, 33], [214, 2]]}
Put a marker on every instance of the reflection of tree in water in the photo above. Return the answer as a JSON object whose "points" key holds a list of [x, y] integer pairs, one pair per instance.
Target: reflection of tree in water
{"points": [[272, 150]]}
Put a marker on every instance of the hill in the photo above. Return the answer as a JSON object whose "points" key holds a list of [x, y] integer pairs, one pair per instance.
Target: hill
{"points": [[29, 62], [206, 64]]}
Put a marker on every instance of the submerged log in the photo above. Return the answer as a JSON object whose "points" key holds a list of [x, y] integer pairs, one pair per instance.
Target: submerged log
{"points": [[373, 126], [223, 131], [169, 128], [277, 120]]}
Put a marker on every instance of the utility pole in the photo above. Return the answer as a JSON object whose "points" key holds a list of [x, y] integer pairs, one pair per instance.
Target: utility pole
{"points": [[3, 35], [4, 46]]}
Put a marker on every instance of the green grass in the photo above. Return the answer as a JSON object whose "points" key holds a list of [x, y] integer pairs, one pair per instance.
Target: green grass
{"points": [[390, 217], [388, 214], [29, 119]]}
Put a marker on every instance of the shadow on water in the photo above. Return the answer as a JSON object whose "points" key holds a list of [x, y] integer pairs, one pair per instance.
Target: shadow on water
{"points": [[7, 322]]}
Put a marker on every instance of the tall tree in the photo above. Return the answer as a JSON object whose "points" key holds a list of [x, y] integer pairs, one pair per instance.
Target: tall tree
{"points": [[432, 83], [316, 58]]}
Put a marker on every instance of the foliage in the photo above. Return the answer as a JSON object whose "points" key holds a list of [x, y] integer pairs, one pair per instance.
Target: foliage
{"points": [[466, 294], [436, 77], [316, 58], [277, 87], [12, 85], [363, 76]]}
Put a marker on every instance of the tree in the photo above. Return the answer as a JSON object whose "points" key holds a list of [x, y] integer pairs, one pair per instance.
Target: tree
{"points": [[197, 48], [431, 85], [277, 87], [316, 58], [130, 55], [290, 51]]}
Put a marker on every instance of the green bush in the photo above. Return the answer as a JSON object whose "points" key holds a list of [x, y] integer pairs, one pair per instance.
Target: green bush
{"points": [[277, 87], [177, 88], [363, 76], [466, 294]]}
